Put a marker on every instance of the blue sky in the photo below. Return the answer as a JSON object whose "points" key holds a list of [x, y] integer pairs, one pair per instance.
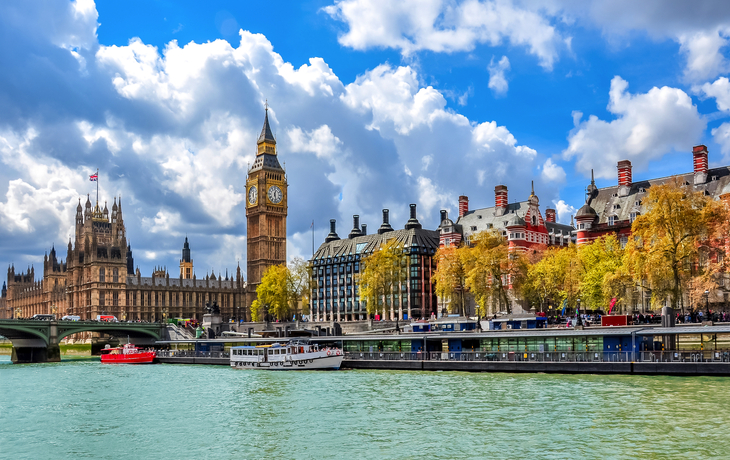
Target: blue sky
{"points": [[375, 105]]}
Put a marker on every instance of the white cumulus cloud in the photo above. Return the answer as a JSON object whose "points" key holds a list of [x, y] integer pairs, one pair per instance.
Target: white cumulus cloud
{"points": [[497, 80], [647, 126]]}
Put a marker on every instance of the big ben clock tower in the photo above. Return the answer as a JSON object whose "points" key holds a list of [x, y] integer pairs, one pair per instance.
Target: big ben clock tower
{"points": [[266, 209]]}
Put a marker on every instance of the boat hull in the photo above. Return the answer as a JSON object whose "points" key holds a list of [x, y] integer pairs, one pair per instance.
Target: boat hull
{"points": [[134, 358], [323, 363]]}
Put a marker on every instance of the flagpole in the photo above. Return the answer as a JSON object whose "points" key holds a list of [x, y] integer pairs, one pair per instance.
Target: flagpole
{"points": [[97, 186], [312, 239]]}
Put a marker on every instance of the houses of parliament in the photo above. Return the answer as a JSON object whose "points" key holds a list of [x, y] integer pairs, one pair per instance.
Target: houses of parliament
{"points": [[99, 278]]}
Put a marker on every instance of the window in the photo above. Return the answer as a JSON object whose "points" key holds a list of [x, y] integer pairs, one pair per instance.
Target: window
{"points": [[616, 207], [632, 216], [611, 220], [479, 216], [102, 275], [642, 190], [102, 298], [473, 228], [581, 226], [116, 275], [534, 220]]}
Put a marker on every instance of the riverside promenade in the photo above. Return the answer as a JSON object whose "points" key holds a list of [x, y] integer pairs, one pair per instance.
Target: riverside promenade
{"points": [[649, 350]]}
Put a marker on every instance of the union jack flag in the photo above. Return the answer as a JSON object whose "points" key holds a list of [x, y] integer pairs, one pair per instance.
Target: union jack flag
{"points": [[94, 177]]}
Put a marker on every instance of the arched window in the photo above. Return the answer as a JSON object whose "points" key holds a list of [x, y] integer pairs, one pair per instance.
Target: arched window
{"points": [[534, 220], [102, 275], [116, 275]]}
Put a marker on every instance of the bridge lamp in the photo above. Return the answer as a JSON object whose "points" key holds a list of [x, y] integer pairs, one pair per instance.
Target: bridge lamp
{"points": [[18, 312]]}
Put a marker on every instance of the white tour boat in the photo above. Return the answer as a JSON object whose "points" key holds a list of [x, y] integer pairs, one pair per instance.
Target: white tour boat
{"points": [[295, 355]]}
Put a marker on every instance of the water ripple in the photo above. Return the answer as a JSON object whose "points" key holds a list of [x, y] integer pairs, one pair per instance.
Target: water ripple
{"points": [[81, 409]]}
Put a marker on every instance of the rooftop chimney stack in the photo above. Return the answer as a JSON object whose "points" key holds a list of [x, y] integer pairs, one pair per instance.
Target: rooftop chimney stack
{"points": [[500, 200], [333, 232], [355, 232], [699, 156], [624, 177], [550, 215], [385, 227], [444, 216], [364, 229], [463, 205], [413, 221]]}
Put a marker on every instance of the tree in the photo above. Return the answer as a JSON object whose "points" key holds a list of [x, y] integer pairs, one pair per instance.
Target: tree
{"points": [[491, 269], [600, 261], [554, 278], [677, 223], [450, 277], [274, 293], [381, 274], [300, 284]]}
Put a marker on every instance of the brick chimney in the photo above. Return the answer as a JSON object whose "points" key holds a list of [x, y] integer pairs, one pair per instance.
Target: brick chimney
{"points": [[550, 215], [500, 200], [624, 177], [699, 157], [463, 205]]}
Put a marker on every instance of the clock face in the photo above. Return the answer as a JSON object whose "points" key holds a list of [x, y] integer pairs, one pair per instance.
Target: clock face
{"points": [[253, 195], [275, 194]]}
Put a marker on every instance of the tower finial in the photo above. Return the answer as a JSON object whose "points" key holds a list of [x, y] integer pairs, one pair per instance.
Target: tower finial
{"points": [[533, 188]]}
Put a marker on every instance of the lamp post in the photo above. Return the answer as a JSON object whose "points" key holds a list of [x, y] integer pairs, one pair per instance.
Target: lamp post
{"points": [[18, 312], [707, 304], [53, 310], [578, 321]]}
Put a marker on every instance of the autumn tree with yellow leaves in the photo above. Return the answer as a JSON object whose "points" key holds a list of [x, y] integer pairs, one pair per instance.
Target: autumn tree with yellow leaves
{"points": [[450, 277], [382, 274], [668, 238]]}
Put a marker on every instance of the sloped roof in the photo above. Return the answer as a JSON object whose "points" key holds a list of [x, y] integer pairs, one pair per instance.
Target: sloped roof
{"points": [[607, 202], [266, 134], [425, 240]]}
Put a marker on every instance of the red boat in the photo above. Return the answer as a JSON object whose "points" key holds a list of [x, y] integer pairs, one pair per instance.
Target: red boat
{"points": [[128, 354]]}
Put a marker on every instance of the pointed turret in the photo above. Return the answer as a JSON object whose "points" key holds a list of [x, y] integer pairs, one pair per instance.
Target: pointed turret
{"points": [[266, 134]]}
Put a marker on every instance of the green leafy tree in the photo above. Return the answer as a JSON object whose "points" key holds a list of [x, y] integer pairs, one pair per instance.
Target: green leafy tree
{"points": [[600, 261], [300, 284]]}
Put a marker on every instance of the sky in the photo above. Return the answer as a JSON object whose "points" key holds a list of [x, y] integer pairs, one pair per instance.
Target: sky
{"points": [[374, 104]]}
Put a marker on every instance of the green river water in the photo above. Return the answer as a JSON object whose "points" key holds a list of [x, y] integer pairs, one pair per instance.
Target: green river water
{"points": [[82, 409]]}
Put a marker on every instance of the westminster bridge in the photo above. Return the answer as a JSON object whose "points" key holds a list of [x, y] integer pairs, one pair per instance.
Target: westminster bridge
{"points": [[37, 341]]}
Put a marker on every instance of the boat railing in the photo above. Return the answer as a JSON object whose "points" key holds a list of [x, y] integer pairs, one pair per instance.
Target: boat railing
{"points": [[191, 354]]}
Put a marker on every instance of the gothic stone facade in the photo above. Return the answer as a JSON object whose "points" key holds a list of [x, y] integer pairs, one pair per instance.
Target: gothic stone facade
{"points": [[266, 210], [98, 279]]}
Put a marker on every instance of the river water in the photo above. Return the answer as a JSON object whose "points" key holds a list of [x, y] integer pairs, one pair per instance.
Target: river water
{"points": [[82, 409]]}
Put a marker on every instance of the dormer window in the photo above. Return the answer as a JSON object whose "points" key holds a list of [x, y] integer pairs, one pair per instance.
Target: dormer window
{"points": [[637, 203], [632, 216], [490, 226], [616, 207], [713, 178], [615, 195], [642, 190], [611, 220], [479, 216], [473, 228]]}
